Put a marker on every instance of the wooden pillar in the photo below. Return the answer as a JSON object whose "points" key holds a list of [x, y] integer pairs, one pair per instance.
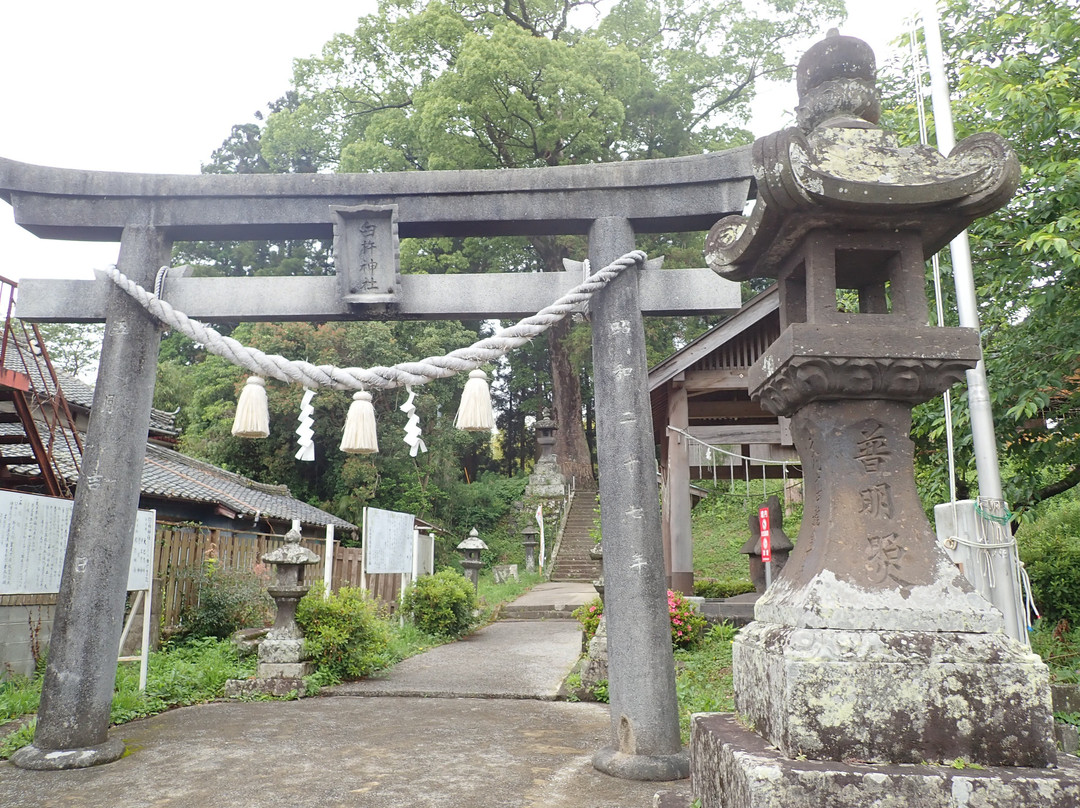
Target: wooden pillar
{"points": [[678, 492]]}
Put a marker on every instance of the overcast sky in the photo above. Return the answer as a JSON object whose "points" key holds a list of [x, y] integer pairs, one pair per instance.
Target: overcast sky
{"points": [[135, 85]]}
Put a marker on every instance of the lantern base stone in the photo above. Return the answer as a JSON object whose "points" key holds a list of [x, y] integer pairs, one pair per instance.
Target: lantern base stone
{"points": [[733, 767], [895, 696]]}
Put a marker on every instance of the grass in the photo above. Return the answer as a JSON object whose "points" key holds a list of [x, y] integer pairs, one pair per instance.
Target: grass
{"points": [[189, 673], [492, 596], [720, 527], [703, 677]]}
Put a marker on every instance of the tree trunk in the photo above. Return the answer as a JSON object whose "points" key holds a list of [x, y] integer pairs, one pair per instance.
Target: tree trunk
{"points": [[571, 447]]}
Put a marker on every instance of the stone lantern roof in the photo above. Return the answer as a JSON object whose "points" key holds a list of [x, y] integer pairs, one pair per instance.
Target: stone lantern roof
{"points": [[838, 168], [473, 542]]}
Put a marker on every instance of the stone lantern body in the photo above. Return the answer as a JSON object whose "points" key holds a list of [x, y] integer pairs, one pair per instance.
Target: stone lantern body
{"points": [[871, 646]]}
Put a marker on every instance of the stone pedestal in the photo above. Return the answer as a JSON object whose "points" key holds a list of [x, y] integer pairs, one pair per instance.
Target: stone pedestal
{"points": [[733, 767], [546, 480]]}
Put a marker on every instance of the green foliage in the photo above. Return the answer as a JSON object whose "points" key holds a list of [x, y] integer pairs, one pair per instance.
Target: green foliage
{"points": [[600, 691], [74, 348], [687, 626], [589, 614], [441, 604], [492, 596], [1059, 646], [727, 588], [703, 680], [1050, 549], [1014, 66], [180, 674], [486, 505], [228, 600], [17, 739], [344, 635], [19, 696], [720, 525]]}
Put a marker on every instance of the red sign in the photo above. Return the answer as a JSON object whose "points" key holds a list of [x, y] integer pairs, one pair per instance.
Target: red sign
{"points": [[766, 540]]}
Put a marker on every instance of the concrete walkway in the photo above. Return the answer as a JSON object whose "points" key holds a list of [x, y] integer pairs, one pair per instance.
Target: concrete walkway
{"points": [[487, 735]]}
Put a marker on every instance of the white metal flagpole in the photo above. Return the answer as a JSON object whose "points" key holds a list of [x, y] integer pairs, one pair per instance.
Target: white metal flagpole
{"points": [[1005, 563]]}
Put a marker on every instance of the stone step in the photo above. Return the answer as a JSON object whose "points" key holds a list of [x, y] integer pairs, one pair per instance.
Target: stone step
{"points": [[511, 612]]}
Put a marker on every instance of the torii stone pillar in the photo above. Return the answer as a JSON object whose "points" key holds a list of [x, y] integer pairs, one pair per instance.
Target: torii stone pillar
{"points": [[870, 649], [645, 743], [73, 717]]}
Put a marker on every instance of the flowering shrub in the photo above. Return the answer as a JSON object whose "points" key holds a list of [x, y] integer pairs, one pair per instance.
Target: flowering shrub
{"points": [[589, 614], [687, 626]]}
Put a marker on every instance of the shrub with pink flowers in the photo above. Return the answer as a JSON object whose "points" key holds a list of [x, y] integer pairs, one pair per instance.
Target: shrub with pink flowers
{"points": [[687, 626], [589, 614]]}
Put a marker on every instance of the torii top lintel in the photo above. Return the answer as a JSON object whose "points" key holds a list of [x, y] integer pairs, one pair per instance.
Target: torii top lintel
{"points": [[676, 194]]}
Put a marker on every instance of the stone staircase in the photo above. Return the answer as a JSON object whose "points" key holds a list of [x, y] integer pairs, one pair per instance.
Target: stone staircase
{"points": [[573, 562]]}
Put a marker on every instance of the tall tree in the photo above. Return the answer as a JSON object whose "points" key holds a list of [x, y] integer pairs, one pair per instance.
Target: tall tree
{"points": [[1015, 65], [475, 84]]}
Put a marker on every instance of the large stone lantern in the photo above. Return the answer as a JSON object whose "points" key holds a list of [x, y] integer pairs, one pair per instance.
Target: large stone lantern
{"points": [[871, 646]]}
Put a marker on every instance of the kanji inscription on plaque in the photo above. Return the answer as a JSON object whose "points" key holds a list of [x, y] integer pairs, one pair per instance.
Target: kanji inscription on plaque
{"points": [[366, 252]]}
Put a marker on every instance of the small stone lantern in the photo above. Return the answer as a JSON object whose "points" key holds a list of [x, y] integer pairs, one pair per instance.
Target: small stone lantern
{"points": [[281, 653], [531, 543], [545, 434], [282, 663], [780, 542], [470, 550]]}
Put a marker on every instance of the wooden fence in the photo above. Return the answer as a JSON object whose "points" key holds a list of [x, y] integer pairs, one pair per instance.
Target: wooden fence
{"points": [[181, 550]]}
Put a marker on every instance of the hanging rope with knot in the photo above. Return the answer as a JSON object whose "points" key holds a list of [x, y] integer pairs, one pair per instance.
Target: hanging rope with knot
{"points": [[384, 378]]}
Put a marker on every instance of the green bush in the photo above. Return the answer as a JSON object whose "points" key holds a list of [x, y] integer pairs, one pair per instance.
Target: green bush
{"points": [[345, 634], [711, 588], [441, 604], [227, 601], [1050, 549]]}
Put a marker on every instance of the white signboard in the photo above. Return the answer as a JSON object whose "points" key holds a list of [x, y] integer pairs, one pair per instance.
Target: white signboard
{"points": [[388, 541], [33, 540]]}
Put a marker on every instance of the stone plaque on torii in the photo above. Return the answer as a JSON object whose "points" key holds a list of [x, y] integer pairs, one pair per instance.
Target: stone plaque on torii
{"points": [[609, 203]]}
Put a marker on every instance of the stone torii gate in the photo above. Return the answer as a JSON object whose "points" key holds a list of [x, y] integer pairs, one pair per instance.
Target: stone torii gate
{"points": [[145, 213]]}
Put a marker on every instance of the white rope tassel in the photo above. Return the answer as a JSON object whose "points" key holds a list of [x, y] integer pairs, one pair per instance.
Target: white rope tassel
{"points": [[412, 425], [360, 436], [252, 412], [305, 433], [474, 414]]}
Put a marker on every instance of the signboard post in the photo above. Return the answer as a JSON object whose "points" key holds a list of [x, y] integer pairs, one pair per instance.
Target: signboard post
{"points": [[766, 543]]}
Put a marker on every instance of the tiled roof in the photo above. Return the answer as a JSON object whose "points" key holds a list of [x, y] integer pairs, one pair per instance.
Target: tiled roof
{"points": [[169, 474], [18, 357]]}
